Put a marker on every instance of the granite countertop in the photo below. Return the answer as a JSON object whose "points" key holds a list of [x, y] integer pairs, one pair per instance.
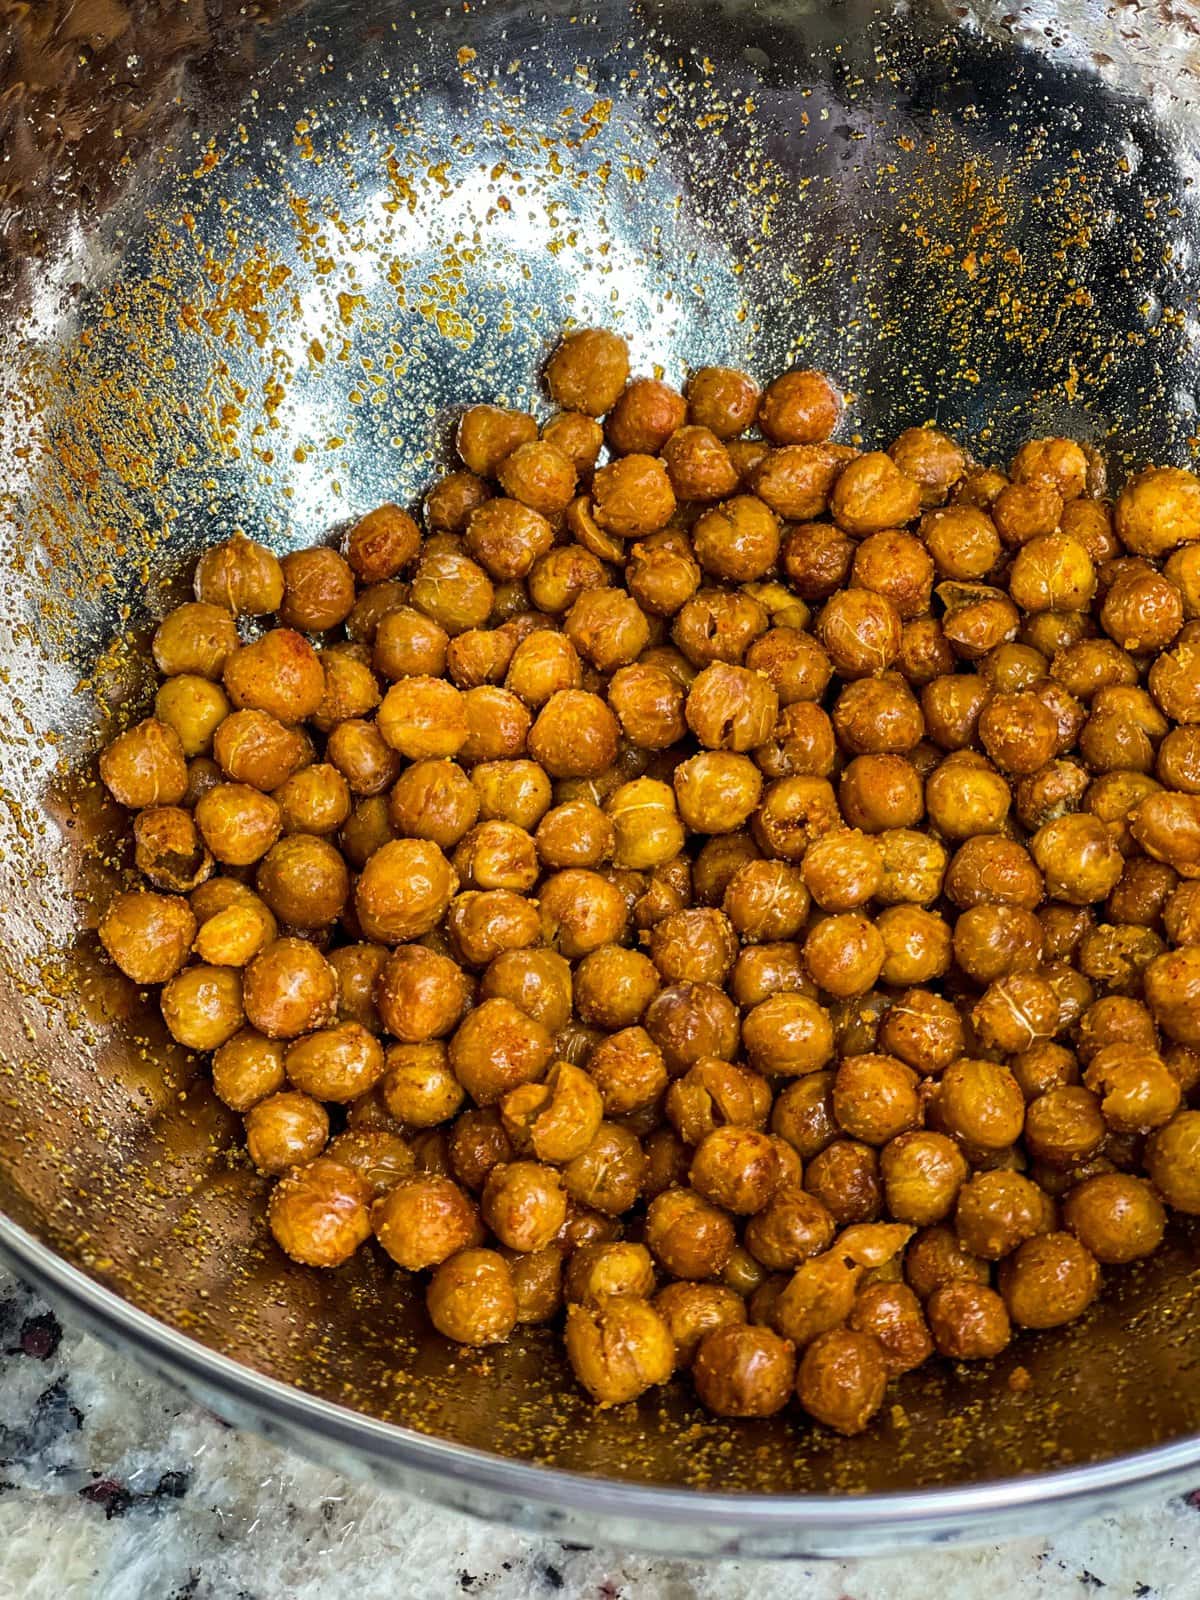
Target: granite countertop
{"points": [[114, 1487]]}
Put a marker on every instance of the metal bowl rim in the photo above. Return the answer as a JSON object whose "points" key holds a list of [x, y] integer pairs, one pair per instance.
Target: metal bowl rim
{"points": [[578, 1492]]}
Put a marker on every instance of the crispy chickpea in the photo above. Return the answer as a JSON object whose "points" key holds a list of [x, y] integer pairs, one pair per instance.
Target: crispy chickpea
{"points": [[241, 576], [239, 825], [993, 869], [969, 1321], [645, 416], [690, 1021], [556, 1120], [194, 708], [980, 1102], [575, 735], [860, 631], [1064, 1126], [924, 1030], [147, 935], [718, 625], [487, 434], [792, 1227], [314, 800], [951, 707], [511, 791], [817, 558], [318, 1213], [794, 662], [692, 1311], [878, 716], [661, 574], [418, 1086], [496, 1048], [844, 1176], [923, 1173], [1173, 1162], [689, 1236], [993, 941], [744, 1371], [799, 407], [844, 954], [524, 1204], [304, 880], [580, 911], [872, 493], [997, 1211], [1050, 1280], [697, 945], [736, 1168], [421, 995], [483, 924], [434, 800], [280, 673], [718, 862], [737, 541], [977, 619], [168, 849], [409, 644], [234, 935], [285, 1129], [965, 796], [935, 1258], [202, 1006], [613, 987], [335, 1064], [699, 465], [195, 639], [880, 792], [608, 628], [796, 480], [453, 590], [632, 497], [842, 870], [1016, 1011], [893, 1314], [248, 1068], [497, 855], [318, 589], [1115, 1216], [1053, 572], [471, 1298], [1158, 510], [588, 371], [404, 890], [628, 1070], [962, 541], [731, 708], [424, 1220], [576, 834], [717, 791], [255, 748], [932, 459], [895, 564], [1025, 511], [290, 989], [537, 981], [649, 706], [789, 1034], [1142, 611], [841, 1379], [619, 1348], [1172, 991], [358, 967], [145, 766], [1018, 731], [1137, 1090], [875, 1098], [608, 1176], [381, 544], [766, 901]]}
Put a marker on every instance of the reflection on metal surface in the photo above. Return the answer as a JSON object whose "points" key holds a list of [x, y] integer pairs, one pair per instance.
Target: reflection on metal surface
{"points": [[330, 225]]}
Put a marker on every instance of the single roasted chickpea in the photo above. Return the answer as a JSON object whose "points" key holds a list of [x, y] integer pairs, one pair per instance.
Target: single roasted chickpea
{"points": [[690, 1237], [233, 936], [512, 791], [861, 632], [744, 1371], [575, 735], [842, 1378], [661, 574], [145, 766], [496, 1048], [524, 1204], [628, 1070], [872, 493], [730, 708], [632, 497], [717, 791], [844, 954], [202, 1006], [698, 465], [893, 1314], [737, 541], [588, 371], [280, 673], [692, 1020], [923, 1173], [1173, 1161], [875, 1098], [580, 911], [358, 967], [318, 589], [240, 576], [471, 1298], [924, 1030], [789, 1034], [194, 708], [1137, 1090], [1116, 1216], [993, 869], [795, 480], [319, 1214], [285, 1129], [1050, 1280], [381, 544], [248, 1068], [969, 1321], [476, 1145], [691, 1311], [421, 995], [997, 1211], [255, 748], [597, 1271], [1064, 1126], [335, 1064], [314, 800], [932, 459], [404, 890], [980, 1102], [881, 792], [423, 1220], [844, 1176], [556, 1120], [1016, 1011], [418, 1086], [506, 537], [290, 989], [304, 881], [736, 1168], [453, 590], [149, 936], [487, 434], [619, 1348], [196, 639]]}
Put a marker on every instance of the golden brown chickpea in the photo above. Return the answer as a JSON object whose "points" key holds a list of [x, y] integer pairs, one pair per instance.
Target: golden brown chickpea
{"points": [[875, 1098], [980, 487], [1018, 731], [496, 1048], [424, 717], [418, 1086], [922, 1175], [649, 706], [766, 901], [538, 475], [878, 793], [1024, 511], [476, 1145], [524, 1204], [280, 673], [335, 1064], [1181, 914], [841, 1379], [924, 1030], [789, 1034], [168, 849], [558, 578], [304, 881], [619, 1348], [1157, 510], [872, 494], [933, 460], [717, 791], [608, 1176], [803, 1114], [538, 981], [718, 625], [404, 890], [645, 416], [878, 716], [632, 497], [694, 946], [660, 573], [248, 1068], [497, 855], [285, 1130], [860, 631], [895, 564], [487, 434], [613, 987], [969, 1321], [817, 558], [351, 688], [738, 541], [145, 766], [193, 708], [319, 1214], [506, 537], [1015, 1012], [935, 1258], [318, 589], [992, 941], [597, 1271], [608, 628], [731, 708], [689, 1237], [373, 604], [409, 644], [1116, 1216], [802, 743], [963, 542], [382, 543], [844, 954], [1060, 463], [424, 1220], [512, 791], [472, 1299], [951, 707], [1137, 1090], [556, 1120], [1050, 1280], [149, 936], [254, 748], [893, 1314], [1087, 667], [358, 967], [792, 1227], [233, 936], [452, 590], [434, 800], [314, 800], [1142, 611], [742, 1371], [699, 465], [795, 480], [1167, 826], [628, 1070], [690, 1021], [195, 639], [793, 662], [925, 653], [420, 994], [1173, 1162], [240, 576], [290, 989], [575, 735], [799, 407], [541, 665], [977, 619], [980, 1102], [844, 1176], [202, 1006], [483, 924], [993, 869], [736, 1168], [1064, 1126], [588, 371], [997, 1211], [965, 796], [239, 825]]}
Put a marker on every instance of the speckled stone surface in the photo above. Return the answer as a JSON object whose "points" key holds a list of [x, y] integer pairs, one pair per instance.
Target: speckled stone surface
{"points": [[113, 1487]]}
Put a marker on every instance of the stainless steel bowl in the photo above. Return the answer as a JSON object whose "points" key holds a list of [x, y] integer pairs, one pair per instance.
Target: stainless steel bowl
{"points": [[253, 258]]}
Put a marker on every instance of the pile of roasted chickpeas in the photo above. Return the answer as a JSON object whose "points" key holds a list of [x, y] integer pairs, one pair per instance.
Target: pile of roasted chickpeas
{"points": [[744, 895]]}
